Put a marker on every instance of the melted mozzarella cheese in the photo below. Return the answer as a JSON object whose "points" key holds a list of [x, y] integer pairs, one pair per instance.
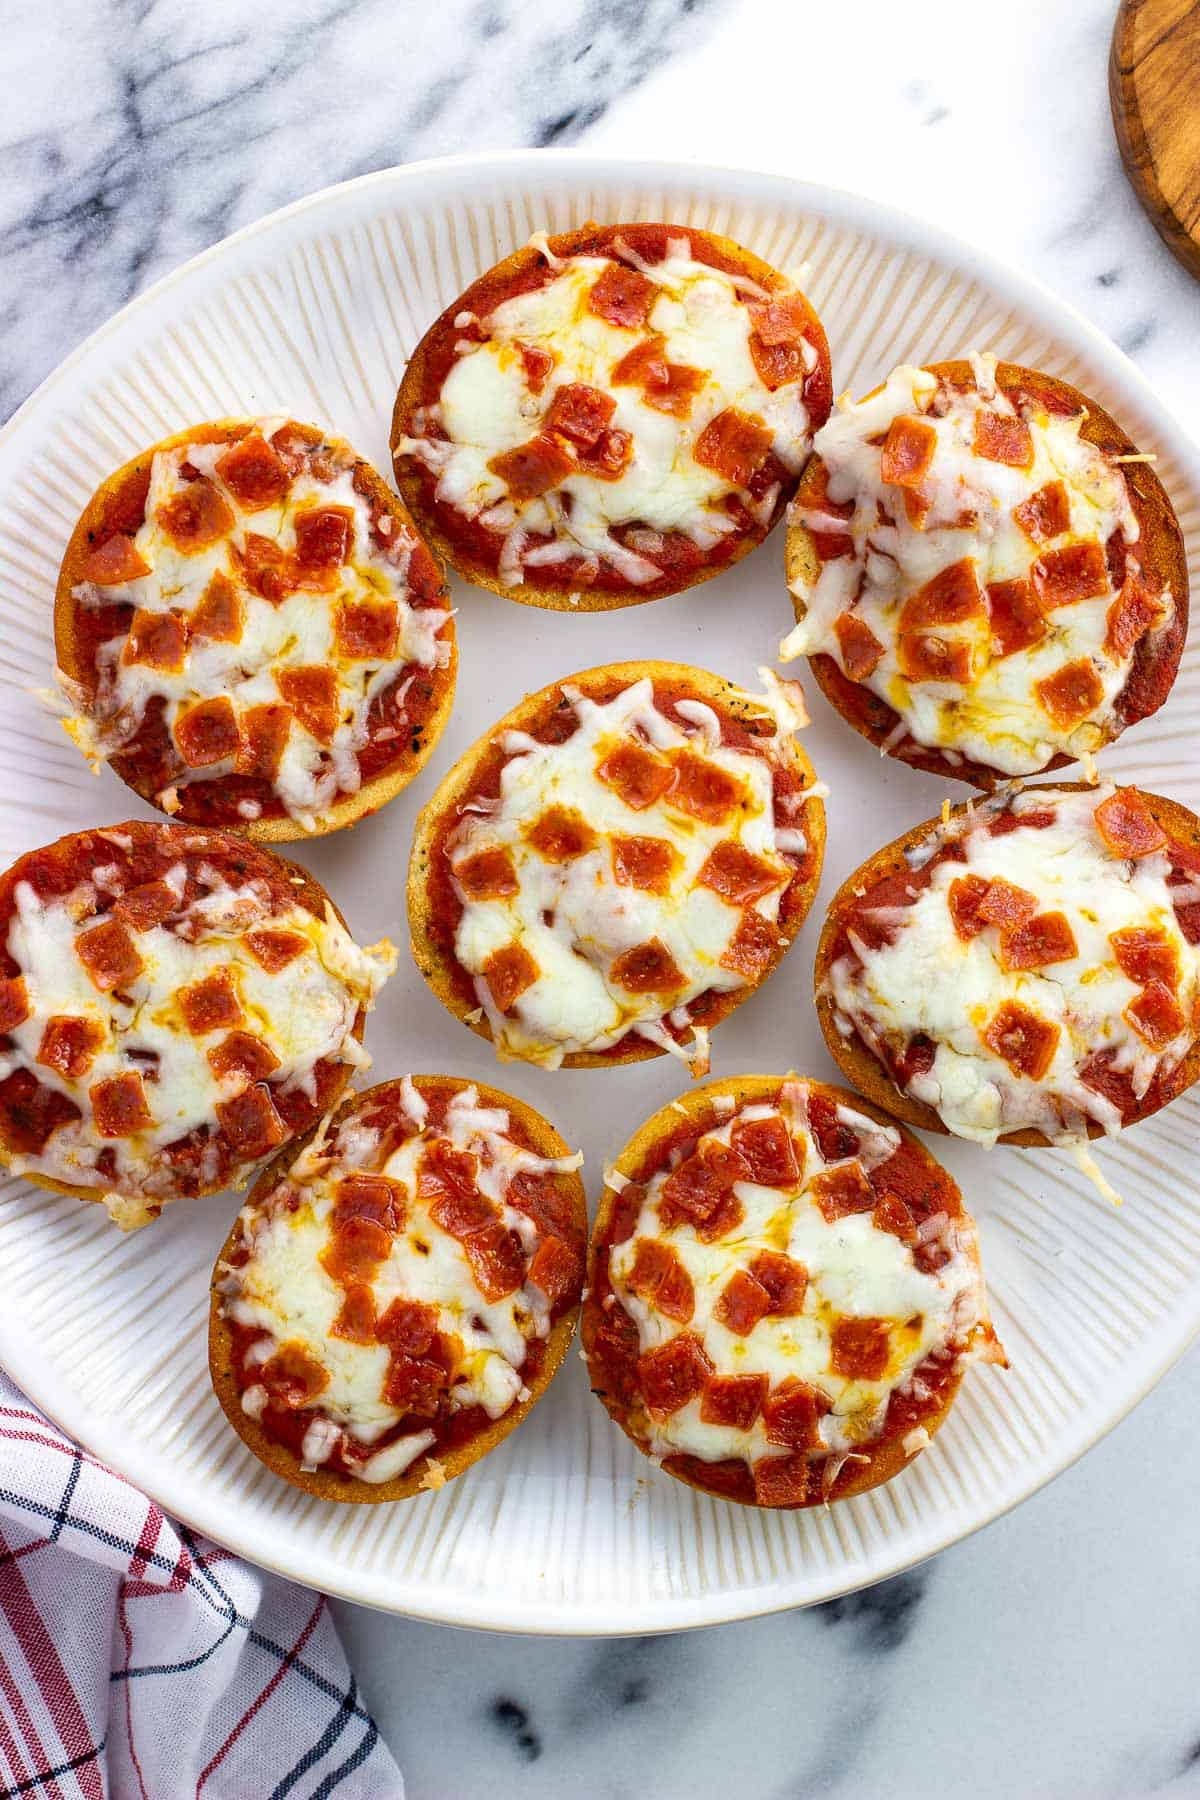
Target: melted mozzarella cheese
{"points": [[298, 632], [283, 1291], [854, 1270], [928, 980], [487, 406], [995, 718], [574, 919]]}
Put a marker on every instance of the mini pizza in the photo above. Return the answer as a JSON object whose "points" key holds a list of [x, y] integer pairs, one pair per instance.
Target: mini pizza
{"points": [[610, 415], [393, 1300], [251, 632], [988, 578], [175, 1004], [1027, 970], [783, 1293], [617, 864]]}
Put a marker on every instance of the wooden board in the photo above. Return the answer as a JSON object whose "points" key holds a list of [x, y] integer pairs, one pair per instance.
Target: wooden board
{"points": [[1154, 86]]}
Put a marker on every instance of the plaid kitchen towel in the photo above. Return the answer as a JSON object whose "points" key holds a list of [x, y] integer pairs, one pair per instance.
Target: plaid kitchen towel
{"points": [[141, 1662]]}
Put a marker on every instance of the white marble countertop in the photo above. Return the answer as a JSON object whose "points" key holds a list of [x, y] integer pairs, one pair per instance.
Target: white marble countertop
{"points": [[1055, 1654]]}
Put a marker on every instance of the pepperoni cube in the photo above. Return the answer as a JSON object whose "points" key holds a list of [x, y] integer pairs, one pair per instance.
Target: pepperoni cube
{"points": [[841, 1189], [609, 458], [706, 791], [951, 597], [147, 905], [677, 393], [560, 835], [734, 446], [622, 296], [30, 1114], [769, 1151], [459, 1210], [742, 1302], [251, 1123], [207, 733], [1046, 514], [734, 1401], [324, 537], [496, 1260], [644, 366], [643, 862], [1016, 617], [649, 968], [777, 338], [1133, 613], [508, 972], [1006, 905], [892, 1215], [860, 1348], [752, 946], [356, 1251], [933, 658], [253, 473], [737, 875], [158, 640], [241, 1053], [1145, 955], [367, 630], [113, 563], [488, 875], [557, 1269], [70, 1045], [1076, 572], [638, 775], [312, 693], [694, 1192], [533, 468], [537, 364], [415, 1385], [785, 1282], [580, 412], [355, 1322], [673, 1374], [657, 1275], [782, 1480], [776, 364], [1022, 1039], [1071, 693], [360, 1195], [1127, 825], [861, 650], [790, 1415], [109, 955], [119, 1105], [964, 898], [292, 1377], [408, 1326], [907, 452], [1042, 940], [268, 571], [999, 438], [221, 613], [263, 733], [210, 1004], [196, 517], [1156, 1015], [274, 950], [14, 1002]]}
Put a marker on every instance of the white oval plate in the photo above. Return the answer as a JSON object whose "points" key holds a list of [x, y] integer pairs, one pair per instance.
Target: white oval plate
{"points": [[566, 1528]]}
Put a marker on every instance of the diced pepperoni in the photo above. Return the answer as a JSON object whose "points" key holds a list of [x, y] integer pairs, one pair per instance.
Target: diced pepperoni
{"points": [[537, 364], [1006, 905], [673, 1374], [676, 393], [694, 1192], [733, 1400], [253, 473], [752, 946], [610, 456], [1016, 618], [1001, 439], [109, 955], [461, 1211], [769, 1151], [221, 613], [1156, 1015], [643, 366], [508, 972], [557, 1269], [145, 906], [533, 468], [1043, 940], [917, 507], [251, 1123], [1071, 693], [782, 1480], [367, 630], [1076, 572], [861, 650], [860, 1348], [580, 412], [262, 738], [14, 1002], [1046, 514], [833, 1136], [842, 1189], [207, 733], [415, 1385], [907, 452], [560, 835], [932, 658], [267, 570], [355, 1322], [210, 1004], [1024, 1040], [950, 598], [360, 1195], [892, 1215], [119, 1105], [658, 1276], [355, 1252], [488, 875], [241, 1053], [964, 898], [812, 491], [30, 1113], [408, 1326], [776, 364], [1128, 826], [790, 1415], [785, 1282], [311, 692], [737, 874], [114, 563], [196, 517], [274, 949], [643, 862], [158, 640], [70, 1045], [1132, 614], [1145, 955], [324, 536], [622, 296], [636, 774], [648, 969], [742, 1302], [496, 1260], [292, 1377], [733, 445], [777, 339], [704, 790]]}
